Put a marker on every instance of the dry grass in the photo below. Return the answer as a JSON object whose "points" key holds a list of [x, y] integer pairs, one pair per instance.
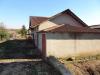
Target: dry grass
{"points": [[89, 65], [17, 60]]}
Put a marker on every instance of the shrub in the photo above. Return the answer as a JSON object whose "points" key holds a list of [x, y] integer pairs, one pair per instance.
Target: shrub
{"points": [[3, 32]]}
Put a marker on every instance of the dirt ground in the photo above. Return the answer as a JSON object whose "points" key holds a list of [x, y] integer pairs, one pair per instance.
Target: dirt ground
{"points": [[13, 55], [90, 67], [27, 68]]}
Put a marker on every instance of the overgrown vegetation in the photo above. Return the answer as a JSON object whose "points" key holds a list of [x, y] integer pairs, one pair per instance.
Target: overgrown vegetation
{"points": [[3, 32], [83, 65], [18, 49], [91, 57], [90, 67], [81, 58], [23, 31]]}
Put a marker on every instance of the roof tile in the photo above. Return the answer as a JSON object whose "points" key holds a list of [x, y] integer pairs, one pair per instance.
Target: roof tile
{"points": [[34, 20], [70, 28]]}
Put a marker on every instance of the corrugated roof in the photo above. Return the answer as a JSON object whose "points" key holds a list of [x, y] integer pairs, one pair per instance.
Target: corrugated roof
{"points": [[35, 20], [70, 28]]}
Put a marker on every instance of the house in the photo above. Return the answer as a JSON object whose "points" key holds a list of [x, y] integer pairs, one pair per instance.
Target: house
{"points": [[95, 26], [64, 35]]}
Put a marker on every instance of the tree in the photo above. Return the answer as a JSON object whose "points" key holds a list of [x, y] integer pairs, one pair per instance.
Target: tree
{"points": [[3, 32], [23, 31]]}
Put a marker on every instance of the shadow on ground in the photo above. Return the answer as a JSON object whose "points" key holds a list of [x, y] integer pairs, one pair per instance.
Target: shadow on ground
{"points": [[18, 49], [27, 68]]}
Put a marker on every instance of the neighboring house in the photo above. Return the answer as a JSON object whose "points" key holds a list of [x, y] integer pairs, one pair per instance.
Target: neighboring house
{"points": [[64, 35], [95, 26], [34, 23]]}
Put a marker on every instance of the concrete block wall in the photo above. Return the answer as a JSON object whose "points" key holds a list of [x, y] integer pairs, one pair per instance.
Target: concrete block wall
{"points": [[66, 45]]}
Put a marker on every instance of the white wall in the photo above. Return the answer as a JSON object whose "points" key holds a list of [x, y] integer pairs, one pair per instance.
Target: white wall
{"points": [[60, 45], [46, 24], [65, 45], [88, 44], [65, 19], [39, 41], [35, 38], [61, 19]]}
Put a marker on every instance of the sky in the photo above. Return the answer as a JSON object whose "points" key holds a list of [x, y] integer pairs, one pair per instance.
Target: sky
{"points": [[15, 13]]}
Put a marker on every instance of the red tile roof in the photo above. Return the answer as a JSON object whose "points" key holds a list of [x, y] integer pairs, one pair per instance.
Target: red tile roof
{"points": [[35, 20], [70, 29]]}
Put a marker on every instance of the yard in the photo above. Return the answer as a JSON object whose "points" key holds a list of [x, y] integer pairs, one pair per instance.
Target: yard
{"points": [[18, 49], [83, 66], [20, 57], [27, 68]]}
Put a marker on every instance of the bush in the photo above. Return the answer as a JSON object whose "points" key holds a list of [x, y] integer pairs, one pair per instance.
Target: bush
{"points": [[3, 32], [23, 31]]}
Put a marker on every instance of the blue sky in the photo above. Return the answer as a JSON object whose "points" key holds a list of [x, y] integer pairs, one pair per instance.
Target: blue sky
{"points": [[15, 13]]}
